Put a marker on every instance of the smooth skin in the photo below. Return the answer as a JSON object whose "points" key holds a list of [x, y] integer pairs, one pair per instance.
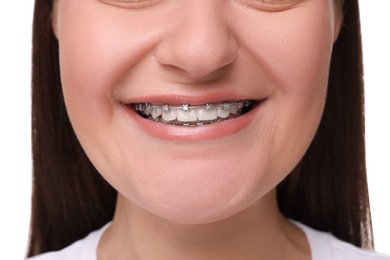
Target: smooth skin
{"points": [[212, 199]]}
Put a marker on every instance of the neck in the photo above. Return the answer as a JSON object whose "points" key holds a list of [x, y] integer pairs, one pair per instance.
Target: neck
{"points": [[259, 232]]}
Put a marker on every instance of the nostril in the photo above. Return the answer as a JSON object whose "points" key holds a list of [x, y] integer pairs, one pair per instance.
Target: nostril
{"points": [[198, 66], [174, 69]]}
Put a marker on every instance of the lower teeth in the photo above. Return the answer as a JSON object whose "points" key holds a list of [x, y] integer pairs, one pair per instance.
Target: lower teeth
{"points": [[192, 116], [191, 124]]}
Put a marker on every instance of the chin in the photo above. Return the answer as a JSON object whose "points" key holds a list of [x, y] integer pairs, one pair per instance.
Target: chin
{"points": [[196, 211], [196, 197]]}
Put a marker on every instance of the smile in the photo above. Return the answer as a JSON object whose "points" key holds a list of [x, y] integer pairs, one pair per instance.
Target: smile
{"points": [[193, 116], [177, 118]]}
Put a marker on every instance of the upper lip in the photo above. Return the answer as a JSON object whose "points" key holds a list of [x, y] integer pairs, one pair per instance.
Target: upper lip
{"points": [[191, 100]]}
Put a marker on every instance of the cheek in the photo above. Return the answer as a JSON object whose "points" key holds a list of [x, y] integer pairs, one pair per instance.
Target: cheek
{"points": [[304, 64], [98, 45], [294, 52], [89, 52], [96, 50]]}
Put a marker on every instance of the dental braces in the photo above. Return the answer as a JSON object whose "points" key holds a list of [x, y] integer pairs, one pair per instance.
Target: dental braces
{"points": [[148, 107]]}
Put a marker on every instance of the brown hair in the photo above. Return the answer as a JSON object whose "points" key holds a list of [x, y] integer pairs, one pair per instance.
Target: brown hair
{"points": [[327, 190]]}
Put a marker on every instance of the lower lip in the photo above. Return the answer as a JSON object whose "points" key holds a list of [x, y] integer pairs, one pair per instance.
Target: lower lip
{"points": [[199, 133]]}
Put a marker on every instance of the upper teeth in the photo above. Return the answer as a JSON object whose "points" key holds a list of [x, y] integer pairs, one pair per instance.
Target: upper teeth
{"points": [[191, 114]]}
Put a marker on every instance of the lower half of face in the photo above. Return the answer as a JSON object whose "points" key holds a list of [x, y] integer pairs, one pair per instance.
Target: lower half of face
{"points": [[194, 110]]}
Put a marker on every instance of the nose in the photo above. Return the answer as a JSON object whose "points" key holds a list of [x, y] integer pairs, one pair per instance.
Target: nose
{"points": [[200, 43]]}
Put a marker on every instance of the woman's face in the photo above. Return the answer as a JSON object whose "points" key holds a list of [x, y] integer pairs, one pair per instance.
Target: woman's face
{"points": [[191, 63]]}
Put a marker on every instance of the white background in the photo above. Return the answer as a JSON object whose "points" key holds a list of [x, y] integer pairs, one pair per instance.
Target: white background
{"points": [[15, 162]]}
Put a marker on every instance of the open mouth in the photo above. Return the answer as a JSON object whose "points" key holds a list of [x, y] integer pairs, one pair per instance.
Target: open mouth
{"points": [[191, 115]]}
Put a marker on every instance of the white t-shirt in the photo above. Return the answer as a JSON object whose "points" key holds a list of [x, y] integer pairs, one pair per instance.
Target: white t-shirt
{"points": [[323, 246]]}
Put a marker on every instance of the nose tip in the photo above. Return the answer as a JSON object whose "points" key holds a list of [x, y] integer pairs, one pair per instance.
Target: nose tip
{"points": [[198, 58], [199, 46]]}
